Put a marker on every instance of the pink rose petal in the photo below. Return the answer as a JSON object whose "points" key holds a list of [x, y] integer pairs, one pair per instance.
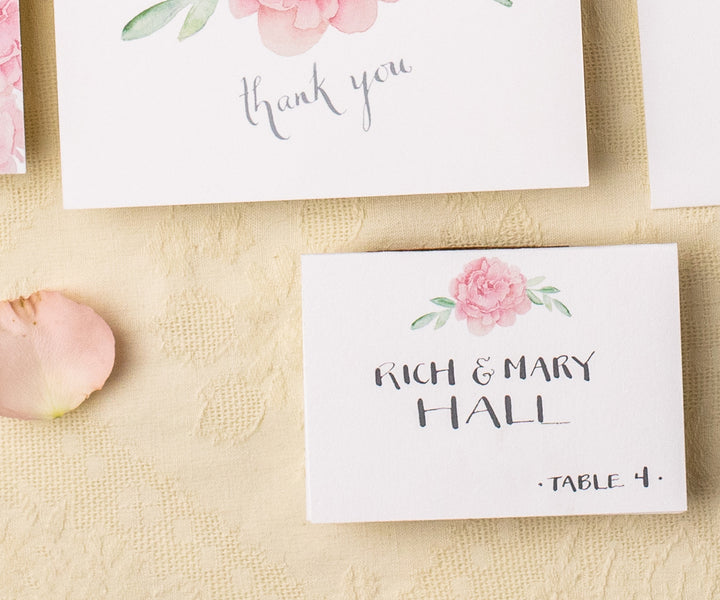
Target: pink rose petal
{"points": [[53, 354]]}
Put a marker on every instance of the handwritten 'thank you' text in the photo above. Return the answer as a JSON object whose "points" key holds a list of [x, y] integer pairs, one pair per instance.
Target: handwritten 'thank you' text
{"points": [[261, 109]]}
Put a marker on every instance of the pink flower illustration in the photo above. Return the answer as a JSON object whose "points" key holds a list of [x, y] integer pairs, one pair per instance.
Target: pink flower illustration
{"points": [[488, 293], [12, 135], [10, 65], [291, 27], [287, 27]]}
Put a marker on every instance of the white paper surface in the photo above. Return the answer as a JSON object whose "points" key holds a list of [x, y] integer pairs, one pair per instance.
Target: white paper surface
{"points": [[370, 459], [680, 54], [494, 100]]}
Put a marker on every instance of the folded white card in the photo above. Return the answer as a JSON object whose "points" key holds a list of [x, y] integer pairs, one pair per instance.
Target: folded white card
{"points": [[271, 100], [493, 383], [680, 53]]}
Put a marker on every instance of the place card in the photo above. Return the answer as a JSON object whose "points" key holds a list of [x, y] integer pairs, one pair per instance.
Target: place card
{"points": [[270, 100], [680, 52], [12, 118], [493, 383]]}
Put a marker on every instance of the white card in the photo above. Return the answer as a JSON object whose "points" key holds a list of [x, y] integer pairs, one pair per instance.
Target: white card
{"points": [[418, 98], [680, 52], [493, 383]]}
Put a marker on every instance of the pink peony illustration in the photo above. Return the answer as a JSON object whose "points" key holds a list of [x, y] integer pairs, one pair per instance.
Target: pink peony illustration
{"points": [[291, 27], [489, 293], [12, 135], [10, 66], [287, 27]]}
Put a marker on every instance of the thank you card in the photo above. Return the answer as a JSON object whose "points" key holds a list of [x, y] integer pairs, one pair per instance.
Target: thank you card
{"points": [[197, 101]]}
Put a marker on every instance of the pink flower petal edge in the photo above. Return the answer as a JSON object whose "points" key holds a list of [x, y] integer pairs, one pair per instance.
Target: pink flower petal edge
{"points": [[356, 16], [53, 354], [279, 34], [243, 8], [292, 27]]}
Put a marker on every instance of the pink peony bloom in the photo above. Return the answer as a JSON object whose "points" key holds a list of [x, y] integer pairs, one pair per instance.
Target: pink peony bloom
{"points": [[10, 65], [291, 27], [489, 293], [53, 354], [12, 134]]}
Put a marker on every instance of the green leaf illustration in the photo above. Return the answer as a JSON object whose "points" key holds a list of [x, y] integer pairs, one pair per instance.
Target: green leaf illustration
{"points": [[443, 318], [562, 308], [444, 302], [533, 298], [197, 18], [547, 301], [423, 321], [534, 293], [152, 19], [531, 283], [505, 2], [157, 16]]}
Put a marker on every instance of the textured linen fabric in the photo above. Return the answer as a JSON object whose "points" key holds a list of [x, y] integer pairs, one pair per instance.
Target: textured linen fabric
{"points": [[183, 478]]}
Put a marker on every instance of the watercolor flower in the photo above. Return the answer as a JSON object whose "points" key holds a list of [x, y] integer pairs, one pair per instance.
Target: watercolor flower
{"points": [[10, 65], [12, 135], [53, 354], [287, 27], [291, 27], [490, 292]]}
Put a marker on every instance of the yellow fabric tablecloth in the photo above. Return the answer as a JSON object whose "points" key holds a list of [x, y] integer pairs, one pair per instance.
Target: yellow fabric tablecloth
{"points": [[184, 477]]}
